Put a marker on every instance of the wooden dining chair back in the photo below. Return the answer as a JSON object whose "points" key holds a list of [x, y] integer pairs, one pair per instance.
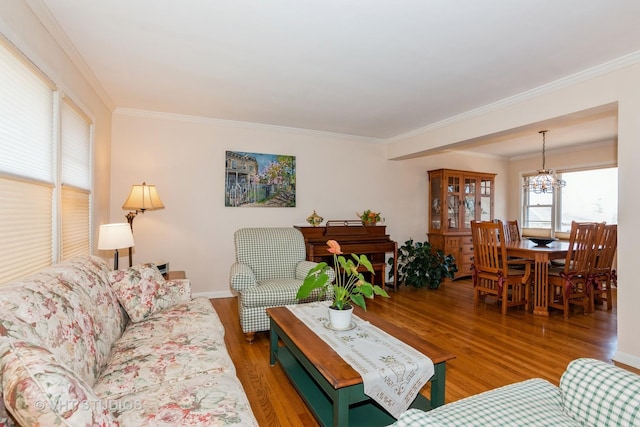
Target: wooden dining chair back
{"points": [[511, 231], [569, 284], [491, 271], [603, 275]]}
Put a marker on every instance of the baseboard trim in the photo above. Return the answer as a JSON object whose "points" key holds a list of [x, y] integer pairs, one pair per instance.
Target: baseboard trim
{"points": [[627, 359], [220, 294]]}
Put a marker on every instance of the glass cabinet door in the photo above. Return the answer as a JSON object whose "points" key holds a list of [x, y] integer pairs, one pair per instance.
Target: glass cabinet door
{"points": [[453, 203], [469, 201], [436, 204], [485, 200]]}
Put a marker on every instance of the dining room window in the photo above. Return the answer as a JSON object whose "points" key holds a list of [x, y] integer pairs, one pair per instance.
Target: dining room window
{"points": [[590, 195]]}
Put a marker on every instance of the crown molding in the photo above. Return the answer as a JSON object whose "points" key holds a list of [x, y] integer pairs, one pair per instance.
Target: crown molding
{"points": [[245, 125], [607, 67], [43, 13]]}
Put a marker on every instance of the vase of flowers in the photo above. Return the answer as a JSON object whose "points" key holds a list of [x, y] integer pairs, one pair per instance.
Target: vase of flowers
{"points": [[369, 217], [349, 286]]}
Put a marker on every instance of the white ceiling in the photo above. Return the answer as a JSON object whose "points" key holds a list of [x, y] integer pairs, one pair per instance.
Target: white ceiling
{"points": [[371, 68]]}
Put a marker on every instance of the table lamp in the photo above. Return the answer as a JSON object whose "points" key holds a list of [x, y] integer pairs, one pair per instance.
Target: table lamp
{"points": [[115, 236]]}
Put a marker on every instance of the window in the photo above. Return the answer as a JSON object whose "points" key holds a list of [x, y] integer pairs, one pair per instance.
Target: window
{"points": [[590, 195], [76, 181], [39, 142]]}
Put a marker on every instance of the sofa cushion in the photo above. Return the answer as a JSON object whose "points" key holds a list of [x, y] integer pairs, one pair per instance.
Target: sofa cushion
{"points": [[39, 390], [600, 394], [534, 402], [143, 291], [188, 344], [211, 399]]}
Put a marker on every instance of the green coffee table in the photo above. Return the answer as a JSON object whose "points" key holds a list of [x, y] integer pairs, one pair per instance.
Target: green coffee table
{"points": [[330, 387]]}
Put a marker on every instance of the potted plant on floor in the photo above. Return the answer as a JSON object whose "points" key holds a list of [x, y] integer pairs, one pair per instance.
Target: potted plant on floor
{"points": [[349, 286], [419, 265]]}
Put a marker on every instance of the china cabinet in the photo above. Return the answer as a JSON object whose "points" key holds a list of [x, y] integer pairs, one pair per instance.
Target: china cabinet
{"points": [[456, 198]]}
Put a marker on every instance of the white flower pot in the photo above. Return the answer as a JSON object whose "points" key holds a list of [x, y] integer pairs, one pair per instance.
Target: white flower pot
{"points": [[340, 319]]}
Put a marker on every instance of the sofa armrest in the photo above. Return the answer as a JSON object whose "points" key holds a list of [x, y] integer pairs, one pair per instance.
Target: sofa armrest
{"points": [[184, 284], [242, 277], [598, 393]]}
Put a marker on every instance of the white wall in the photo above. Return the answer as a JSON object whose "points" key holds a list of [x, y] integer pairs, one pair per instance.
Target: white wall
{"points": [[23, 29], [185, 157], [589, 90]]}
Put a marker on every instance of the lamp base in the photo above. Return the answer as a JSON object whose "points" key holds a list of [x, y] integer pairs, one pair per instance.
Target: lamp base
{"points": [[116, 256]]}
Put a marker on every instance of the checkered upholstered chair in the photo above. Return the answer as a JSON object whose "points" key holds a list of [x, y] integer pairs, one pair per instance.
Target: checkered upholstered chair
{"points": [[270, 267]]}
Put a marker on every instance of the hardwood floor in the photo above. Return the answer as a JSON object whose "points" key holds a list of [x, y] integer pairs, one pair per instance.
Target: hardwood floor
{"points": [[491, 350]]}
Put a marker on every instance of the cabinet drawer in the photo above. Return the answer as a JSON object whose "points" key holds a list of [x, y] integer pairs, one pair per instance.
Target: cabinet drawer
{"points": [[467, 259], [464, 270]]}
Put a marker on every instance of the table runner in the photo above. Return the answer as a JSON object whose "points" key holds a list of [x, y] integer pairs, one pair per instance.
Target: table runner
{"points": [[393, 373]]}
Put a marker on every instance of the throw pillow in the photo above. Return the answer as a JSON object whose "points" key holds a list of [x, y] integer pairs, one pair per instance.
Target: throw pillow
{"points": [[39, 390], [143, 291]]}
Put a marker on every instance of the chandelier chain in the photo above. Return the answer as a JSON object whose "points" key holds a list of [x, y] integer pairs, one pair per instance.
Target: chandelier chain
{"points": [[544, 143]]}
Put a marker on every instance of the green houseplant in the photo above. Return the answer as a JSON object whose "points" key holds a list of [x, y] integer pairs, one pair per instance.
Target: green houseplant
{"points": [[419, 265], [349, 286], [369, 217]]}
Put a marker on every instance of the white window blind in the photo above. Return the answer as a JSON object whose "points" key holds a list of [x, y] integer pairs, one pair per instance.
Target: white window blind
{"points": [[27, 165], [75, 132], [76, 144], [25, 227], [76, 228], [26, 118]]}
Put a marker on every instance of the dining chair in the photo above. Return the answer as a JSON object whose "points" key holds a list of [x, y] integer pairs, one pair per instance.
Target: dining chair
{"points": [[570, 284], [603, 275], [512, 231], [492, 273]]}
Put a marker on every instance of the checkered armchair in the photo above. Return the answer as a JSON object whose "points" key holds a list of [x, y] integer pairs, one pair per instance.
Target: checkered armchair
{"points": [[270, 267]]}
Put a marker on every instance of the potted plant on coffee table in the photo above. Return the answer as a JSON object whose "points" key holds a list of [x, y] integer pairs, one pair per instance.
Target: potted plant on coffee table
{"points": [[419, 265], [349, 287]]}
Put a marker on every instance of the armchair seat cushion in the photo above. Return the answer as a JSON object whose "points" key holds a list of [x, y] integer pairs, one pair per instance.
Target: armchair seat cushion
{"points": [[592, 393], [272, 292], [534, 402]]}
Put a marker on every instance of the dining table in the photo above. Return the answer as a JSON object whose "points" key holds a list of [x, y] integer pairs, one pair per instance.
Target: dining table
{"points": [[541, 256]]}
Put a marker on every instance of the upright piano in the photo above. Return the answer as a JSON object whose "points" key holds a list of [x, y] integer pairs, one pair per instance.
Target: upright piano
{"points": [[354, 238]]}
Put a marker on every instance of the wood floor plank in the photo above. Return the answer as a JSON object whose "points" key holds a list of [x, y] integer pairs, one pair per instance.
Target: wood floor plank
{"points": [[491, 350]]}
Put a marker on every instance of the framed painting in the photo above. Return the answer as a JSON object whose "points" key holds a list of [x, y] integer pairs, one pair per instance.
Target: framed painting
{"points": [[260, 180]]}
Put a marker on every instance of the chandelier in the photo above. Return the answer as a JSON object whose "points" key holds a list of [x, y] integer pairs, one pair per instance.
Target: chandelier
{"points": [[546, 180]]}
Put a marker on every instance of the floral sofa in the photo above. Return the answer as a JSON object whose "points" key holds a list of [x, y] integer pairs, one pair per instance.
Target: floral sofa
{"points": [[591, 393], [81, 345]]}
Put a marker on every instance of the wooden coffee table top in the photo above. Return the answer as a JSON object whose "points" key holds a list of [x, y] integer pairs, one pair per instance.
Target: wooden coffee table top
{"points": [[335, 370]]}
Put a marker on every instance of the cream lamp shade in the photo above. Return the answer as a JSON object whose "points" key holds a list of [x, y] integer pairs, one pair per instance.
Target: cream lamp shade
{"points": [[143, 198], [115, 236]]}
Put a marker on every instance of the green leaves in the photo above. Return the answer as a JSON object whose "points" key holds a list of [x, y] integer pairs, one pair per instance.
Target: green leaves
{"points": [[419, 265], [316, 278], [350, 284]]}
